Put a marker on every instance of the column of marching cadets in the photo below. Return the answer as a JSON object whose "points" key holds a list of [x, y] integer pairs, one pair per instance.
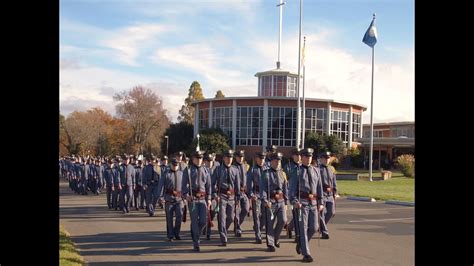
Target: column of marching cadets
{"points": [[227, 192]]}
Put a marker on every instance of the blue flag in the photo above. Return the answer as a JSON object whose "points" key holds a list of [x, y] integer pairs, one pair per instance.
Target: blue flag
{"points": [[370, 37]]}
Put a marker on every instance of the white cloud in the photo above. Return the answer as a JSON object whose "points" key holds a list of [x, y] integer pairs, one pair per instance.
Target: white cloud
{"points": [[91, 86]]}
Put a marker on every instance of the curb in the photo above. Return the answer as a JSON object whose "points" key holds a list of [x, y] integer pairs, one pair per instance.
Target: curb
{"points": [[403, 203], [361, 199]]}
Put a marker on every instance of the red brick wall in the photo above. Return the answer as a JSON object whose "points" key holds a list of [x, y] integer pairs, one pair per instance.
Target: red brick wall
{"points": [[256, 102]]}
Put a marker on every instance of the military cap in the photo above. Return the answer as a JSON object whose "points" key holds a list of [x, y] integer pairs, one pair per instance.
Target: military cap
{"points": [[277, 156], [228, 153], [179, 153], [261, 154], [165, 157], [271, 148], [209, 156], [308, 152], [174, 161], [240, 153], [325, 154], [198, 154], [296, 151]]}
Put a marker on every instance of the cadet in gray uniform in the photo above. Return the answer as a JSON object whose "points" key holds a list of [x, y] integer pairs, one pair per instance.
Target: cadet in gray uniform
{"points": [[211, 165], [329, 191], [274, 194], [182, 164], [164, 164], [109, 176], [128, 186], [197, 190], [291, 168], [151, 180], [254, 179], [242, 168], [169, 188], [139, 186], [305, 195], [225, 189], [117, 185]]}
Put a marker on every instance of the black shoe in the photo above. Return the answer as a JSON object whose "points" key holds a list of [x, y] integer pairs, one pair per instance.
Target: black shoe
{"points": [[224, 244], [208, 237], [271, 248], [290, 234], [197, 249], [298, 248], [136, 209], [151, 214], [325, 236], [170, 239], [238, 234], [277, 244], [258, 241], [177, 237], [307, 258]]}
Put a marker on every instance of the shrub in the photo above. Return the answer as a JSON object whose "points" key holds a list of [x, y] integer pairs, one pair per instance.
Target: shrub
{"points": [[406, 163]]}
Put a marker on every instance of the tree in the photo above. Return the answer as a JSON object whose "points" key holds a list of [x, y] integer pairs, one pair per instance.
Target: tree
{"points": [[334, 144], [187, 110], [180, 137], [219, 95], [212, 140], [67, 141], [315, 141], [144, 112]]}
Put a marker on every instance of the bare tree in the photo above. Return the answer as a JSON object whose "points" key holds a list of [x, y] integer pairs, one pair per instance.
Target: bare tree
{"points": [[144, 111]]}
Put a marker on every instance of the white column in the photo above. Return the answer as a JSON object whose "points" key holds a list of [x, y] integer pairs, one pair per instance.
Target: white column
{"points": [[361, 124], [265, 124], [328, 117], [350, 127], [273, 83], [234, 123], [196, 119], [210, 114]]}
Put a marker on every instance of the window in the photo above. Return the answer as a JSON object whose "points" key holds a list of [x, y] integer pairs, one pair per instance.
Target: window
{"points": [[291, 87], [355, 126], [249, 126], [280, 86], [281, 126], [266, 86], [340, 124], [203, 118], [315, 120], [222, 118]]}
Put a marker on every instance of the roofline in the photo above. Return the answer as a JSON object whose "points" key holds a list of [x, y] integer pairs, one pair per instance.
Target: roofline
{"points": [[395, 123], [278, 98]]}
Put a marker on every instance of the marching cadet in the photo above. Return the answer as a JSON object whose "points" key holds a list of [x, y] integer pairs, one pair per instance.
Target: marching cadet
{"points": [[242, 168], [128, 185], [315, 160], [254, 179], [179, 158], [117, 185], [110, 175], [123, 179], [94, 170], [197, 190], [151, 180], [290, 170], [271, 149], [305, 195], [274, 194], [225, 189], [139, 186], [329, 192], [171, 184], [79, 172], [211, 165], [164, 164], [100, 171]]}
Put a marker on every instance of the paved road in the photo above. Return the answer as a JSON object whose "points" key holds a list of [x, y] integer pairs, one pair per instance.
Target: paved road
{"points": [[362, 233]]}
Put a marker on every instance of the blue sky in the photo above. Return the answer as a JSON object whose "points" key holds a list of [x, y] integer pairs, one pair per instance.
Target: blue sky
{"points": [[110, 46]]}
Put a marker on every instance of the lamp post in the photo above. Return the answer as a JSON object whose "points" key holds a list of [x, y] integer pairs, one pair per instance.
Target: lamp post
{"points": [[166, 137], [197, 148]]}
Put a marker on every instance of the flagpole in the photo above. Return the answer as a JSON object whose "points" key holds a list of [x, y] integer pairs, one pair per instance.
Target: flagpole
{"points": [[371, 120], [304, 99], [298, 111]]}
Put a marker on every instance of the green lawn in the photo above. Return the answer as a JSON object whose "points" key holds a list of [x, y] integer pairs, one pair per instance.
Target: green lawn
{"points": [[396, 188], [68, 255]]}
